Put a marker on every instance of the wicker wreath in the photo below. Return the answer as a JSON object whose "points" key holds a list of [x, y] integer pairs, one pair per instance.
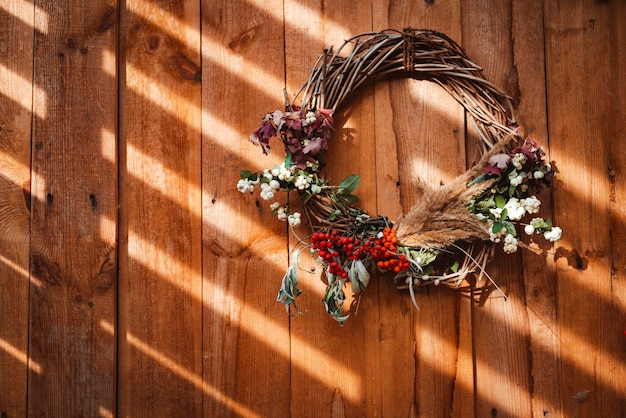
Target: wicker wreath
{"points": [[450, 235]]}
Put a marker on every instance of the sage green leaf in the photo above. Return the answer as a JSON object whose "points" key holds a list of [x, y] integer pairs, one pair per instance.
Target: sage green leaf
{"points": [[333, 300], [289, 290], [478, 179], [350, 198], [510, 228], [349, 184], [334, 215], [315, 189], [497, 227]]}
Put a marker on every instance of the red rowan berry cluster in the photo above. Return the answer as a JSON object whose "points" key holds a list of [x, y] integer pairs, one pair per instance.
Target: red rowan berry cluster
{"points": [[333, 248], [384, 251]]}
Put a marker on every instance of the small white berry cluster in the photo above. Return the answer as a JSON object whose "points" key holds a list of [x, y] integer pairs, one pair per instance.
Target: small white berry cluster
{"points": [[271, 181], [247, 185], [507, 202], [552, 235], [302, 182], [283, 214], [517, 208]]}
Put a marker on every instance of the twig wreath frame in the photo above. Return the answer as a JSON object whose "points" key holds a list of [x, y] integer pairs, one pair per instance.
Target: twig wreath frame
{"points": [[450, 235]]}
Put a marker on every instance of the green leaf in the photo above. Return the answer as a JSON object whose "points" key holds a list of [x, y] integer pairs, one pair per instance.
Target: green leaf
{"points": [[288, 160], [482, 177], [349, 184], [248, 175], [455, 267], [334, 215], [351, 198], [315, 189], [289, 290], [510, 228], [497, 227], [500, 201]]}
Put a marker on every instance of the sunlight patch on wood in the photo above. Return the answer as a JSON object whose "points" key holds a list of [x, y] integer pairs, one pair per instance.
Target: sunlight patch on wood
{"points": [[164, 97], [108, 145], [38, 187], [163, 179], [14, 86], [23, 11], [138, 248], [12, 169], [152, 13], [107, 230], [180, 371], [188, 36], [316, 18], [109, 63], [105, 413], [248, 70], [251, 157], [19, 270], [20, 356], [168, 267]]}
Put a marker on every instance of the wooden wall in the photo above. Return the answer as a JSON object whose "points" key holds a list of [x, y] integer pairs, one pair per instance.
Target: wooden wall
{"points": [[136, 281]]}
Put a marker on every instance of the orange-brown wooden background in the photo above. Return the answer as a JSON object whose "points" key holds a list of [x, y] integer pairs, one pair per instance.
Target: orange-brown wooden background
{"points": [[136, 281]]}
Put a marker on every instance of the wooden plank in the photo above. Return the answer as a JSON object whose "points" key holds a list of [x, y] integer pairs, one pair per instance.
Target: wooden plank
{"points": [[16, 64], [585, 111], [538, 265], [612, 368], [424, 127], [74, 210], [246, 333], [160, 306], [342, 377], [501, 333]]}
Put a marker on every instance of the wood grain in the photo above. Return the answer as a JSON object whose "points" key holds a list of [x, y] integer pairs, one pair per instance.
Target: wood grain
{"points": [[160, 307], [74, 211], [16, 64], [424, 127], [501, 332], [246, 348], [186, 323], [539, 269], [343, 372], [584, 135]]}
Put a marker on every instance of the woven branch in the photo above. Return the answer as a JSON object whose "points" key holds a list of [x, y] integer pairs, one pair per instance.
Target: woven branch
{"points": [[449, 236], [434, 57]]}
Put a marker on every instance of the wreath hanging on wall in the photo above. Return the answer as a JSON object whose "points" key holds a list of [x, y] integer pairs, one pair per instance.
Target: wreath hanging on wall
{"points": [[449, 236]]}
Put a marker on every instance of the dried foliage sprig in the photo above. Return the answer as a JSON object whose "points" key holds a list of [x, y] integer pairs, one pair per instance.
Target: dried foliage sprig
{"points": [[449, 236]]}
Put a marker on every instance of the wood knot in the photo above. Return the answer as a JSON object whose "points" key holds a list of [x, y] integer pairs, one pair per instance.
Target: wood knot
{"points": [[45, 270], [94, 202], [187, 69], [243, 40], [71, 42], [153, 42]]}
